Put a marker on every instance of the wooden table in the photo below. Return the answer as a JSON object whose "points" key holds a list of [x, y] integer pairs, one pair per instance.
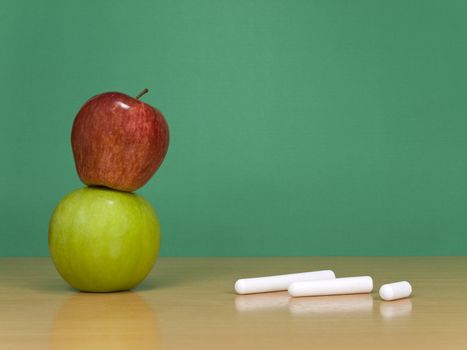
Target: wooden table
{"points": [[188, 303]]}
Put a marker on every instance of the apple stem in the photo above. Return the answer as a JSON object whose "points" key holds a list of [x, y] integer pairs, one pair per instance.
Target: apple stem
{"points": [[142, 93]]}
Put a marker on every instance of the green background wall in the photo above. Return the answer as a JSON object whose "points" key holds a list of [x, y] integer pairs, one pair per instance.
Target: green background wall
{"points": [[298, 127]]}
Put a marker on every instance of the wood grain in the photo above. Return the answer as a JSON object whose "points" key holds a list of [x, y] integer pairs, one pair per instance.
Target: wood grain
{"points": [[189, 303]]}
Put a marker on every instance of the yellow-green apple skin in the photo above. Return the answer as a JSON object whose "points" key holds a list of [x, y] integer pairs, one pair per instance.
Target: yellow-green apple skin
{"points": [[103, 240]]}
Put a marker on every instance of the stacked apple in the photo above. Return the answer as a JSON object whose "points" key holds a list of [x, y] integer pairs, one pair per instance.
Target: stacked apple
{"points": [[103, 237]]}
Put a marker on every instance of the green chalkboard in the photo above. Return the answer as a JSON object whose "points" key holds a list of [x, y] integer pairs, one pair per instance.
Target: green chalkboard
{"points": [[297, 127]]}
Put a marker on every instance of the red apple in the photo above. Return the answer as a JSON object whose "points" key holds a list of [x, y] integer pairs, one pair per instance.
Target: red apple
{"points": [[118, 141]]}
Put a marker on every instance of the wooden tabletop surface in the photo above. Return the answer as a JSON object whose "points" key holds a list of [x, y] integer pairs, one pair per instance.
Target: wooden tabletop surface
{"points": [[189, 303]]}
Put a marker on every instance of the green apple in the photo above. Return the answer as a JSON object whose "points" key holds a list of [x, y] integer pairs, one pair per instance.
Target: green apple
{"points": [[103, 240]]}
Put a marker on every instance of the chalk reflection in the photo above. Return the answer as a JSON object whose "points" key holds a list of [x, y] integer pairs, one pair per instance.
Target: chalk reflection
{"points": [[105, 321], [263, 301], [395, 309], [356, 303]]}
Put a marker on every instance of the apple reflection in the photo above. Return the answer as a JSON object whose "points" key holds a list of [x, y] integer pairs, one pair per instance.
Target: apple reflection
{"points": [[105, 321]]}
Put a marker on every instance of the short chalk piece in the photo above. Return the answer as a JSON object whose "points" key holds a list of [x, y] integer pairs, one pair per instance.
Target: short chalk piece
{"points": [[396, 290], [279, 282], [346, 285]]}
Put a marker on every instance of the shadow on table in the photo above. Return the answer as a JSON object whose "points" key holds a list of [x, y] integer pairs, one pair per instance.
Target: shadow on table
{"points": [[180, 272], [51, 286], [167, 273], [35, 275]]}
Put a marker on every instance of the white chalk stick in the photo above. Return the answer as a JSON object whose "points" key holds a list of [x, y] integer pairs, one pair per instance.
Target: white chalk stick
{"points": [[396, 290], [279, 282], [346, 285]]}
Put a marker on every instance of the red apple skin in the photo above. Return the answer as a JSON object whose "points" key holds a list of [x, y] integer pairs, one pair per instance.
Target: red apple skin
{"points": [[118, 141]]}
